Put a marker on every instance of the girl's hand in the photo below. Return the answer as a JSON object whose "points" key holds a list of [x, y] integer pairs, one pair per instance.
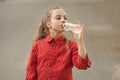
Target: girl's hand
{"points": [[78, 32]]}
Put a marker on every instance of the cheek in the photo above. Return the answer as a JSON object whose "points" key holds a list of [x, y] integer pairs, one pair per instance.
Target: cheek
{"points": [[55, 23]]}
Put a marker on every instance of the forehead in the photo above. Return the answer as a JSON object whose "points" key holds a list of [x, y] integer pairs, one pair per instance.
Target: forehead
{"points": [[60, 12]]}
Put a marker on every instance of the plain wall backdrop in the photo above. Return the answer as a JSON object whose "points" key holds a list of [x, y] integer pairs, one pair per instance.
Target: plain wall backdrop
{"points": [[19, 20]]}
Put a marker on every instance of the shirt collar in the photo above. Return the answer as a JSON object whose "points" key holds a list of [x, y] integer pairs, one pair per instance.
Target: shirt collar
{"points": [[59, 39]]}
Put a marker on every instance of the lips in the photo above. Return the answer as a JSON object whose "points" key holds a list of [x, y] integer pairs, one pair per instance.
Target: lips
{"points": [[63, 25]]}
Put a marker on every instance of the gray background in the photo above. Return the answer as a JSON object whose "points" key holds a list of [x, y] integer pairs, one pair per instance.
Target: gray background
{"points": [[19, 20]]}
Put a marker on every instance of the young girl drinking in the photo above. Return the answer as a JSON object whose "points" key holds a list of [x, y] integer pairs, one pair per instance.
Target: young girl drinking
{"points": [[53, 56]]}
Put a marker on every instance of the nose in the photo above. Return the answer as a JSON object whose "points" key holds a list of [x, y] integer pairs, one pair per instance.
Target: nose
{"points": [[63, 20]]}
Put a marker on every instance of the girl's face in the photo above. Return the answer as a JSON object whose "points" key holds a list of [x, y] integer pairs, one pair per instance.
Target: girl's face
{"points": [[58, 18]]}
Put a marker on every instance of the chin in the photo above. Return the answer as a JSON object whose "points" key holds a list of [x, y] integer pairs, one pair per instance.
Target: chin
{"points": [[59, 29], [62, 29]]}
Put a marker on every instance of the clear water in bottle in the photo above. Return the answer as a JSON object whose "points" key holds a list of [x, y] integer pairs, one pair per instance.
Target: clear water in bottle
{"points": [[71, 27]]}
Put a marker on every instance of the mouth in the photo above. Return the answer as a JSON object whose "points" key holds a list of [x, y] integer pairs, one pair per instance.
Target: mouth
{"points": [[63, 25]]}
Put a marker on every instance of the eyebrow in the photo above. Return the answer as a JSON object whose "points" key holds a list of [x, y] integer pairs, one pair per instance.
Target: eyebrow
{"points": [[63, 15]]}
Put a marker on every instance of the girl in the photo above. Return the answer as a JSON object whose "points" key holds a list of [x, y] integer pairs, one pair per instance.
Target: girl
{"points": [[53, 56]]}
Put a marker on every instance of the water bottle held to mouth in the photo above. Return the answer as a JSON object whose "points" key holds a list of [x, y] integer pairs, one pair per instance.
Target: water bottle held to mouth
{"points": [[71, 27]]}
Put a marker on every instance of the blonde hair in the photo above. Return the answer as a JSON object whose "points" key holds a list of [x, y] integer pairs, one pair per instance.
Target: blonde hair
{"points": [[43, 30]]}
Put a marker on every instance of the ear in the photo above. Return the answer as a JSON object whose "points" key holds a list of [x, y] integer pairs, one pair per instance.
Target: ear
{"points": [[48, 24]]}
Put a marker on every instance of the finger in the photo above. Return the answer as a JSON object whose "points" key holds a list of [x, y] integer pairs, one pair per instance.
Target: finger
{"points": [[78, 23], [82, 28], [82, 25]]}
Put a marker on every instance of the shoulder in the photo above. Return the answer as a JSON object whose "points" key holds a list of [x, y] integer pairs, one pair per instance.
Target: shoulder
{"points": [[38, 43]]}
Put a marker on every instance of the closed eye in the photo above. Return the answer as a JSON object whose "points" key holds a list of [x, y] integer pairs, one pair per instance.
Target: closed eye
{"points": [[58, 17], [65, 18]]}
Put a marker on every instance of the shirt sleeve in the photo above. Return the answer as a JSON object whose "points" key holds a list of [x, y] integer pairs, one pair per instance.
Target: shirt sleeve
{"points": [[31, 70], [77, 60]]}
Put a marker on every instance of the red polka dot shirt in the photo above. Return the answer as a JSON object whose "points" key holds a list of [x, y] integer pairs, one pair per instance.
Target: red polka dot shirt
{"points": [[50, 59]]}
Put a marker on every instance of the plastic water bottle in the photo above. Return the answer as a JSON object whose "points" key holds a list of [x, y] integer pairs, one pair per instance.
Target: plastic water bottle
{"points": [[71, 27]]}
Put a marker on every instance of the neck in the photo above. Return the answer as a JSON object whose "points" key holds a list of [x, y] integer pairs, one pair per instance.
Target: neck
{"points": [[55, 34]]}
